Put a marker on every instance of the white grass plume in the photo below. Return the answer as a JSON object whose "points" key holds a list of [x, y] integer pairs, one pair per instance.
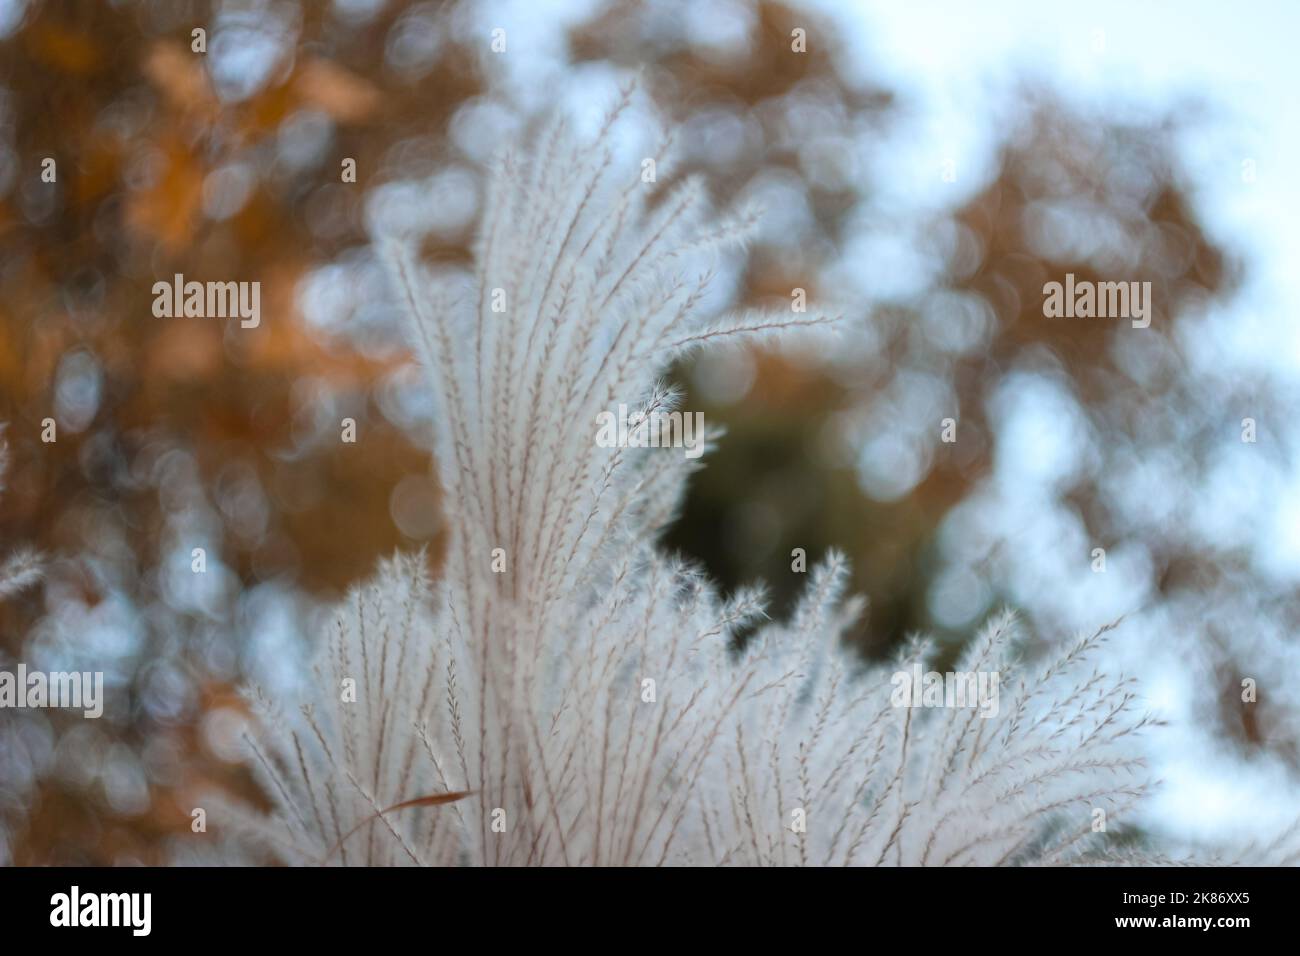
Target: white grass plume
{"points": [[585, 705], [24, 567]]}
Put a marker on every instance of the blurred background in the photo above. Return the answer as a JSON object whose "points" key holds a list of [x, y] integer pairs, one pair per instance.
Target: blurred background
{"points": [[926, 167]]}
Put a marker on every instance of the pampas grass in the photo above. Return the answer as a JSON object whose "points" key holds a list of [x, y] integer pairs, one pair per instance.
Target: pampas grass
{"points": [[23, 567], [575, 695]]}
